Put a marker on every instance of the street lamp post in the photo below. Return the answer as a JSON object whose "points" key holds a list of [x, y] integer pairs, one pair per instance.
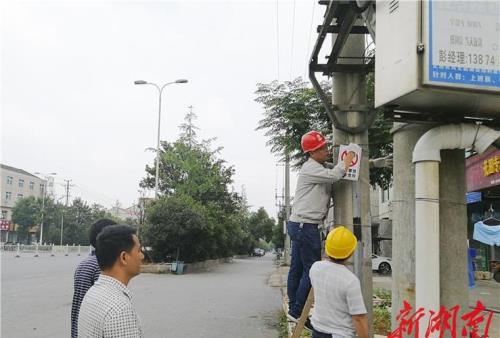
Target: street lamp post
{"points": [[160, 91], [43, 201]]}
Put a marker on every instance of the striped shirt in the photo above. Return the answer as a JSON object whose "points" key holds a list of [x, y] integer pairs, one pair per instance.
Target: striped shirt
{"points": [[337, 297], [107, 311], [86, 274]]}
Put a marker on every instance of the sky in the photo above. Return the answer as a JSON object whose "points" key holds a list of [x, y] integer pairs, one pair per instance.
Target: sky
{"points": [[69, 104]]}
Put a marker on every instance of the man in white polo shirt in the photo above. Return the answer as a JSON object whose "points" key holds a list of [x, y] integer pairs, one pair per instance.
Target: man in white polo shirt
{"points": [[339, 310], [107, 310]]}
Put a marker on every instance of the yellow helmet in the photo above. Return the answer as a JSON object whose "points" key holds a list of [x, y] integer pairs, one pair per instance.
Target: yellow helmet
{"points": [[340, 243]]}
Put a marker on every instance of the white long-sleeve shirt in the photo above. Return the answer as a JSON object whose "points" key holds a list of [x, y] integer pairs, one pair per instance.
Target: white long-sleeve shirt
{"points": [[313, 191]]}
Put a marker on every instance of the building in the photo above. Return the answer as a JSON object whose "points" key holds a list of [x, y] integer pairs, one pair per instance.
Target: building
{"points": [[15, 185], [381, 211], [483, 202]]}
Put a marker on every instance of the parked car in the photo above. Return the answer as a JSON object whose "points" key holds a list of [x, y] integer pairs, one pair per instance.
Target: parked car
{"points": [[381, 264], [258, 252]]}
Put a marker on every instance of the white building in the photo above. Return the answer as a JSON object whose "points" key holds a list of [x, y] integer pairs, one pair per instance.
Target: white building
{"points": [[381, 211]]}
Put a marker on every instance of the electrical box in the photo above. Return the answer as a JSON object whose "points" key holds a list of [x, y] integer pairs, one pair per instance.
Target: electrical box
{"points": [[438, 57]]}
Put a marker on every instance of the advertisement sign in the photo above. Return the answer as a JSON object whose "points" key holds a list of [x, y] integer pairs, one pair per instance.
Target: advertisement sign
{"points": [[464, 44], [353, 171], [4, 225], [483, 171]]}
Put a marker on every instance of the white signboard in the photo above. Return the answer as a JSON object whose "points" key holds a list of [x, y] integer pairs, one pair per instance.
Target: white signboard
{"points": [[464, 43], [353, 171]]}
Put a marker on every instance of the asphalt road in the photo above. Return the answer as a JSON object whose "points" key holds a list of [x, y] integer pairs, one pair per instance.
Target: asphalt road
{"points": [[232, 300]]}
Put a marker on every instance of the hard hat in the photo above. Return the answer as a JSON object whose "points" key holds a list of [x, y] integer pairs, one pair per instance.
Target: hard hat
{"points": [[312, 140], [340, 243]]}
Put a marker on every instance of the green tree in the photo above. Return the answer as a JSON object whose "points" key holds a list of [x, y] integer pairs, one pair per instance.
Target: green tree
{"points": [[261, 225], [292, 108], [177, 227], [193, 178], [26, 213]]}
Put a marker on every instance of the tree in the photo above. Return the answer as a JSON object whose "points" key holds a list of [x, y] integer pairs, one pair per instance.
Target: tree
{"points": [[261, 225], [193, 178], [77, 219], [26, 213], [292, 108], [176, 227]]}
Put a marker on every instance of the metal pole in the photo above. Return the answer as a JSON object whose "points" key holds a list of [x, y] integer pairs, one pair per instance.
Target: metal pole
{"points": [[43, 209], [62, 227], [158, 142]]}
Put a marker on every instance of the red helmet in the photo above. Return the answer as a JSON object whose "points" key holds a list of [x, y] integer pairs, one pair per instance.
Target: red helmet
{"points": [[312, 140]]}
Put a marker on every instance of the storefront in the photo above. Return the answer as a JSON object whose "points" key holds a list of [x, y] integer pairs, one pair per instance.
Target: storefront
{"points": [[483, 202]]}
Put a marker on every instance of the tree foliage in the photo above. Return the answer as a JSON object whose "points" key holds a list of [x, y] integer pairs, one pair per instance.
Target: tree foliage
{"points": [[78, 217], [196, 216], [292, 108], [261, 225]]}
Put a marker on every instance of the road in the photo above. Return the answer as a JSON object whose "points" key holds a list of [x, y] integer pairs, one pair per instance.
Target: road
{"points": [[232, 300]]}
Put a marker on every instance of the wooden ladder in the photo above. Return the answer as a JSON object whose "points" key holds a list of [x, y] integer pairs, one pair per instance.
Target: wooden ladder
{"points": [[299, 327]]}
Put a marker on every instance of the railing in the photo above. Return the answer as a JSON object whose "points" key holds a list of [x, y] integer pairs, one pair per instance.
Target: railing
{"points": [[19, 250]]}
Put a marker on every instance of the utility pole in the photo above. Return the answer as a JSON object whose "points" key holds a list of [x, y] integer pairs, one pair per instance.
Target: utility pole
{"points": [[352, 199], [66, 205], [288, 210]]}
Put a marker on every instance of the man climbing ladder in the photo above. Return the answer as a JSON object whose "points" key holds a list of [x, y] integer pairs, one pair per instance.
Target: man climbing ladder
{"points": [[310, 207]]}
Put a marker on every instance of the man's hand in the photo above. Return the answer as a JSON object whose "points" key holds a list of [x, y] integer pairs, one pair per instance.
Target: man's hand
{"points": [[348, 159], [382, 162]]}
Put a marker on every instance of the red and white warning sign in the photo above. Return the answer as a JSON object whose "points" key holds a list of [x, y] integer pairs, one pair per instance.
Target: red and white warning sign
{"points": [[353, 171]]}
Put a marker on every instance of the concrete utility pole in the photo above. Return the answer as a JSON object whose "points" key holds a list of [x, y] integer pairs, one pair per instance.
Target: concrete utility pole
{"points": [[453, 223], [352, 199], [288, 210]]}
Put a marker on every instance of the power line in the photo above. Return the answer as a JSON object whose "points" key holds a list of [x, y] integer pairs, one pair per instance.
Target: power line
{"points": [[309, 41], [277, 42], [293, 36]]}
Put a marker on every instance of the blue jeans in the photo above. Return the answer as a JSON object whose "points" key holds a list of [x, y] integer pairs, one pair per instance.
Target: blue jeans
{"points": [[306, 249]]}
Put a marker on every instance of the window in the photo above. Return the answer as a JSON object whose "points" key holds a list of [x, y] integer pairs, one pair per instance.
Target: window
{"points": [[9, 180], [41, 187], [19, 196], [8, 195], [4, 214], [21, 183], [32, 185]]}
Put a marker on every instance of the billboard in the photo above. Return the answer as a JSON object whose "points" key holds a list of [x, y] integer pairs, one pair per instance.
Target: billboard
{"points": [[483, 171], [464, 41]]}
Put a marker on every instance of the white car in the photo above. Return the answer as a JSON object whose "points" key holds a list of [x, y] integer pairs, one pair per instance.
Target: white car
{"points": [[381, 264]]}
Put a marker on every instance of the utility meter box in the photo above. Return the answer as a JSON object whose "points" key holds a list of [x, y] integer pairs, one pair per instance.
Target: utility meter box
{"points": [[438, 57]]}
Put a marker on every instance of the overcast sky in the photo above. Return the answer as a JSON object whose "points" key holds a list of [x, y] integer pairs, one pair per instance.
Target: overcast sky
{"points": [[69, 104]]}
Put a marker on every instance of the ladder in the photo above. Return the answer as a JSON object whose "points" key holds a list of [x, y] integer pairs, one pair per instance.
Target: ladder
{"points": [[299, 327]]}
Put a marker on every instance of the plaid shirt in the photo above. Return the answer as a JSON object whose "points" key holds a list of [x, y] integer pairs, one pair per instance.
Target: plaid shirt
{"points": [[86, 274], [107, 311]]}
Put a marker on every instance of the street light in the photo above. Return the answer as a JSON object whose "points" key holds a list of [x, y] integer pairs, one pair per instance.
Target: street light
{"points": [[46, 176], [160, 91]]}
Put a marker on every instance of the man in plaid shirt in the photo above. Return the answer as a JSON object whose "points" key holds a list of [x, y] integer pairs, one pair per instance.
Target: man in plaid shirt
{"points": [[107, 310], [86, 274]]}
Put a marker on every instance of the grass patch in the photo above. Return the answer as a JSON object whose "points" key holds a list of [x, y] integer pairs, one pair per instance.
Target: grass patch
{"points": [[283, 327], [382, 313]]}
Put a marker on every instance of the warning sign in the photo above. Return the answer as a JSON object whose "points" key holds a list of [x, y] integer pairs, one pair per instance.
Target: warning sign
{"points": [[353, 171]]}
